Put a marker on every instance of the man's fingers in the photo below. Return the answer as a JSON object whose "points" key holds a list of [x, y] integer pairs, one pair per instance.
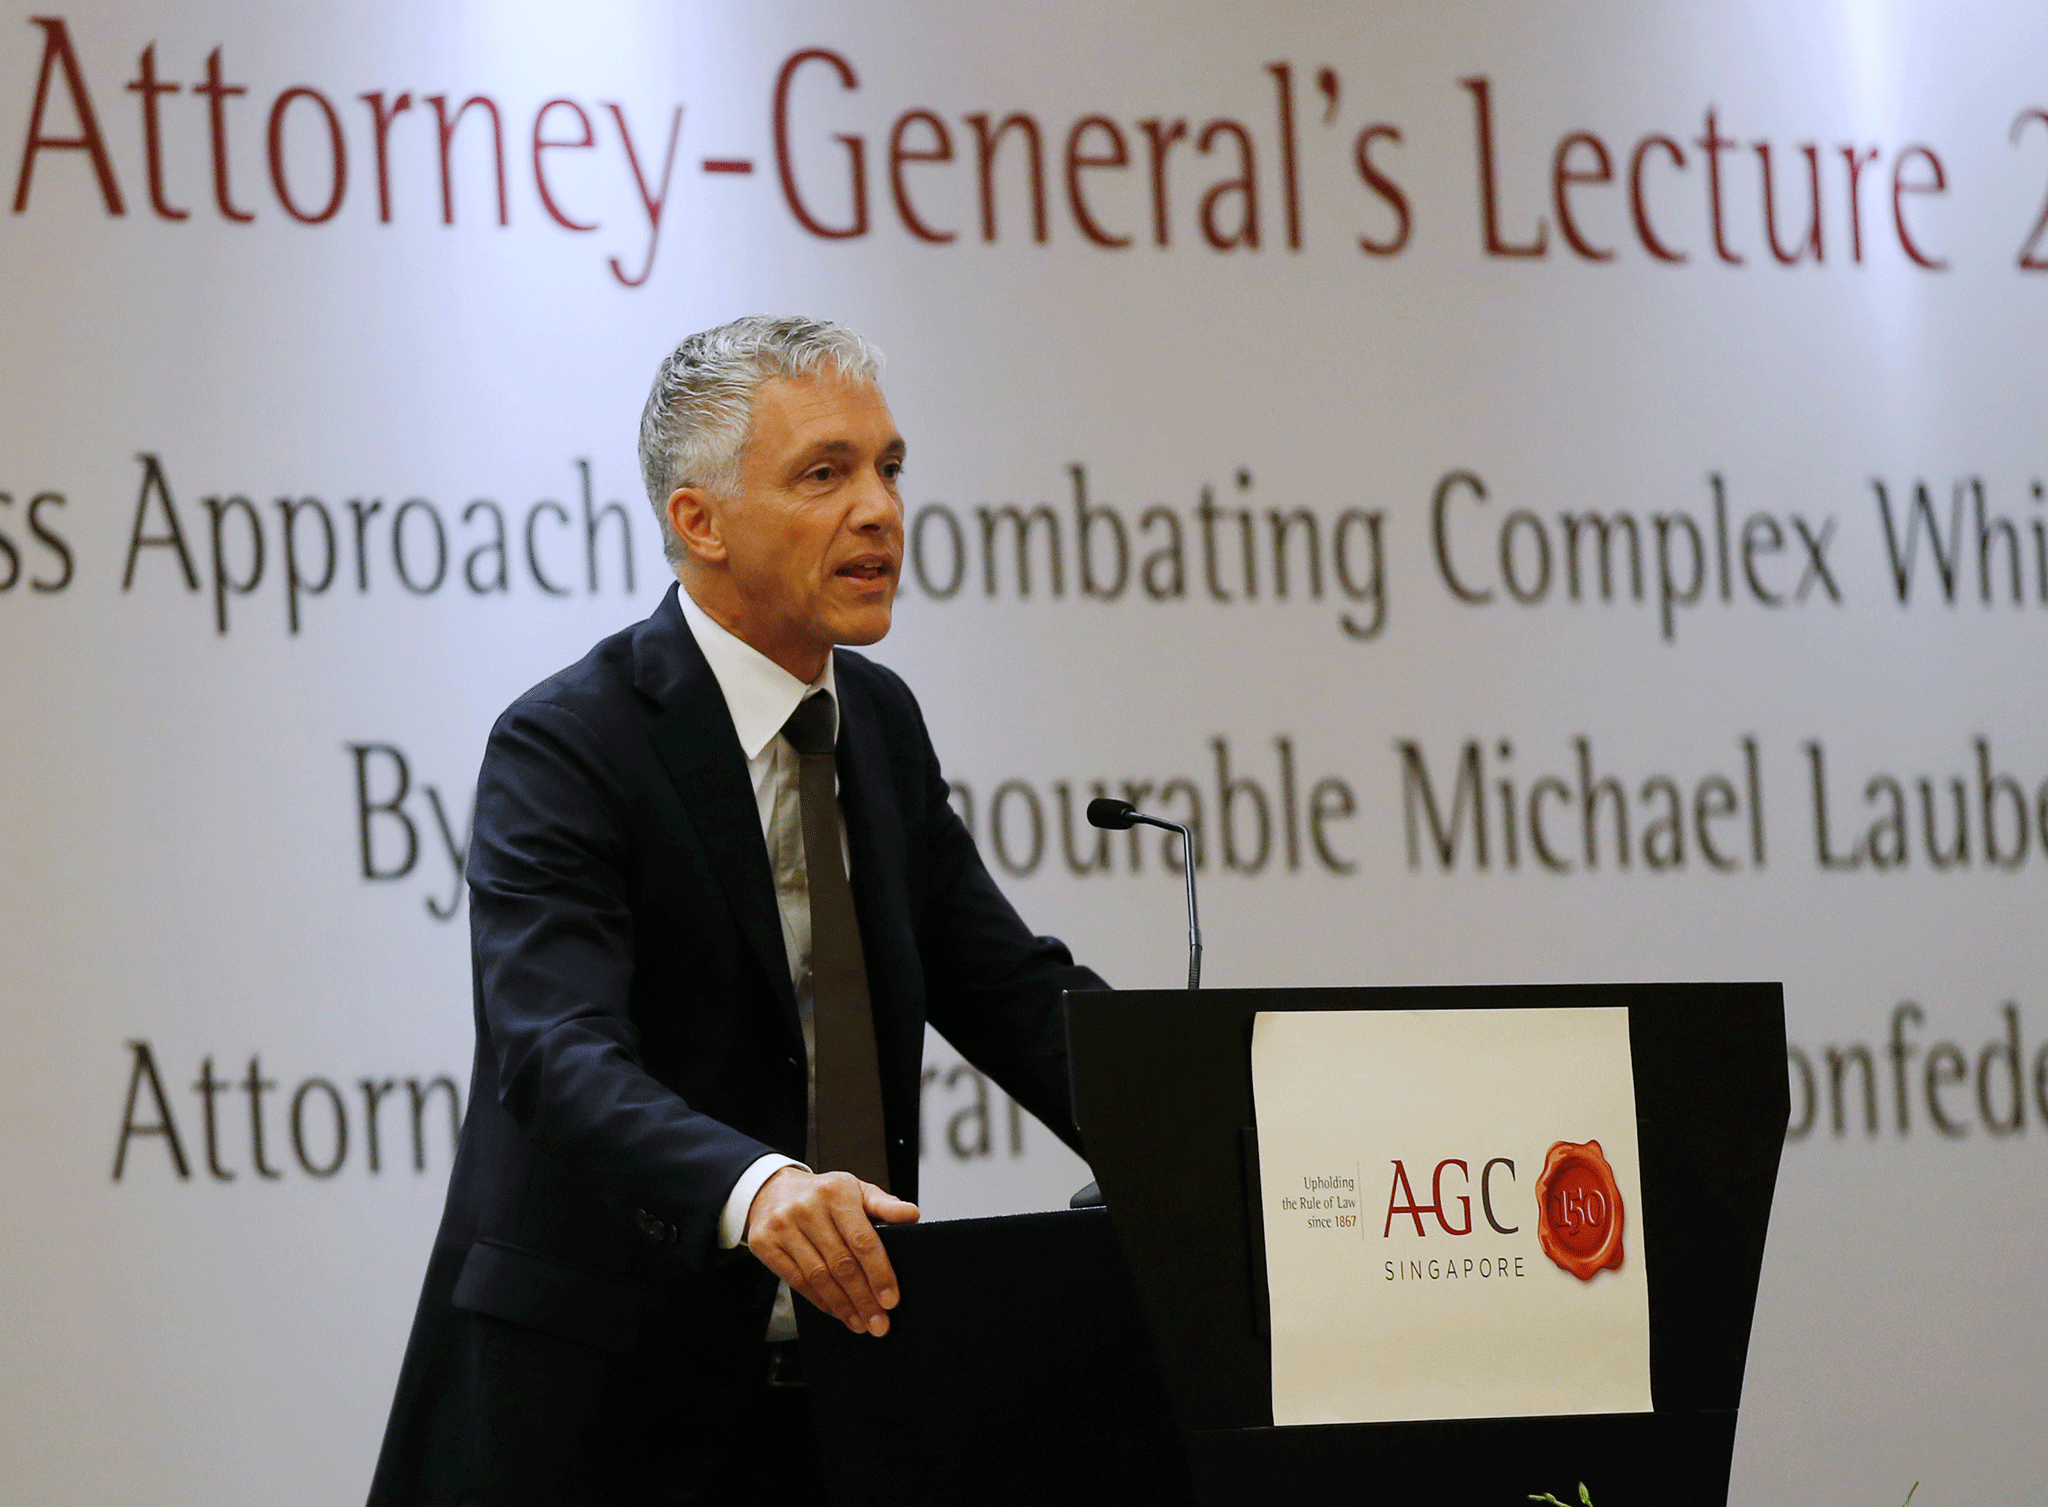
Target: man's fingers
{"points": [[796, 1261], [833, 1225], [849, 1272], [866, 1248], [886, 1206], [816, 1233]]}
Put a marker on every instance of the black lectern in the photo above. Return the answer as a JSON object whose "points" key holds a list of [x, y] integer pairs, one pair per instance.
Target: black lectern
{"points": [[984, 1393]]}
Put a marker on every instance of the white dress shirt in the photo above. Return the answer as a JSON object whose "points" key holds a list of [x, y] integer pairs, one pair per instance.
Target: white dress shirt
{"points": [[761, 695]]}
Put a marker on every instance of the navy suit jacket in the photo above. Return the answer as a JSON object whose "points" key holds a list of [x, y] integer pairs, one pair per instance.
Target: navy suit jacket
{"points": [[638, 1047]]}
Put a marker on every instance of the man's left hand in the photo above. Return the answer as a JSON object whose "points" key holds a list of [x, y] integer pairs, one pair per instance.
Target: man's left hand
{"points": [[816, 1232]]}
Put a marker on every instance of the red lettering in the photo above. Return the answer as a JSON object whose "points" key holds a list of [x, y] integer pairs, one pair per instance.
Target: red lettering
{"points": [[542, 142], [1638, 207], [1244, 186], [336, 145], [1436, 1191], [651, 201], [1812, 242], [1563, 176], [448, 126], [1412, 1209], [855, 149], [1385, 187], [1160, 135], [217, 96], [2030, 254], [1118, 155], [986, 143], [57, 53], [1857, 161], [1290, 178], [1489, 193], [1713, 144], [145, 84], [381, 119], [940, 150], [1901, 187]]}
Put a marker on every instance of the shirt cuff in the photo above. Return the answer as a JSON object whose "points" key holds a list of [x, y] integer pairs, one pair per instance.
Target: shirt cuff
{"points": [[732, 1220]]}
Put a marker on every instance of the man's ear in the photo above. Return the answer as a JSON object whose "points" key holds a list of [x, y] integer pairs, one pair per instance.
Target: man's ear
{"points": [[693, 515]]}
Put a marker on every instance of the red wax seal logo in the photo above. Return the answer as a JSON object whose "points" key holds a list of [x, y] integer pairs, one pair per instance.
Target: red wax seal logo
{"points": [[1580, 1228]]}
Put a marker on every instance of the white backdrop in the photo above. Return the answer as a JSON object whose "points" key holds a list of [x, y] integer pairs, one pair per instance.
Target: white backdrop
{"points": [[209, 860]]}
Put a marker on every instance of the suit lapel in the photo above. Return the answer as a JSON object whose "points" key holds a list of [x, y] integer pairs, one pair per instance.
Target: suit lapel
{"points": [[694, 737]]}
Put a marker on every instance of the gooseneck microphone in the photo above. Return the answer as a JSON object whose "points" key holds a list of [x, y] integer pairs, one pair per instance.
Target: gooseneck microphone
{"points": [[1113, 815]]}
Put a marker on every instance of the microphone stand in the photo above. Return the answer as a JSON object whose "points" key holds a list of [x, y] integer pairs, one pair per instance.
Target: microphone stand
{"points": [[1187, 868], [1118, 816]]}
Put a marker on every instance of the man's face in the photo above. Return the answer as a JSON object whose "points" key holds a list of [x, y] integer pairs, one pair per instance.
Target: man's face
{"points": [[812, 543]]}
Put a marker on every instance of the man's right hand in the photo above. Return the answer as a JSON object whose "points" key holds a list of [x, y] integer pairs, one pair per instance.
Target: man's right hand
{"points": [[816, 1232]]}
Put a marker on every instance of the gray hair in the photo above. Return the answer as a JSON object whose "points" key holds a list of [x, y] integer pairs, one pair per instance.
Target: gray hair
{"points": [[701, 409]]}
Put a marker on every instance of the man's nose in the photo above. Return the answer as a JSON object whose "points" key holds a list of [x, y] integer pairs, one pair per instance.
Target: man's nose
{"points": [[876, 506]]}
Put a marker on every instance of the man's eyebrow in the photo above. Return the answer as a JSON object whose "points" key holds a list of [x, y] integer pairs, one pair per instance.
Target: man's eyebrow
{"points": [[839, 449]]}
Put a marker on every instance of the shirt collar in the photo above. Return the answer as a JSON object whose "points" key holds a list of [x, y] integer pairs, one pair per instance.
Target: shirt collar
{"points": [[759, 693]]}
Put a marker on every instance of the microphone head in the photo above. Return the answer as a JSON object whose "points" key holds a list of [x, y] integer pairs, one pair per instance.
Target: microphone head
{"points": [[1111, 814]]}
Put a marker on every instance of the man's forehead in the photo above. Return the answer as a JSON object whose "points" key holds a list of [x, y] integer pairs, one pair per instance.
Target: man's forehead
{"points": [[824, 406]]}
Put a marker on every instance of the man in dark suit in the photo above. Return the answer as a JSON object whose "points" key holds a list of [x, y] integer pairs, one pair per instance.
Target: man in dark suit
{"points": [[700, 1018]]}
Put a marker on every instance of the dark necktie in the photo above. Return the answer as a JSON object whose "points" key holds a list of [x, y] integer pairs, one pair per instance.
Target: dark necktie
{"points": [[845, 1066]]}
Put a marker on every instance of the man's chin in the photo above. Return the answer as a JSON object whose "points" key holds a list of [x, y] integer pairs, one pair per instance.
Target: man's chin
{"points": [[857, 629]]}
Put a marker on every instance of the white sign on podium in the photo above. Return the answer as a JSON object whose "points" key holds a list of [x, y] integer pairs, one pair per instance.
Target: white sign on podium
{"points": [[1452, 1209]]}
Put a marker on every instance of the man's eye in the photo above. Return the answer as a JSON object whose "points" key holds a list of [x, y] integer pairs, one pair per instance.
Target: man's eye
{"points": [[821, 473]]}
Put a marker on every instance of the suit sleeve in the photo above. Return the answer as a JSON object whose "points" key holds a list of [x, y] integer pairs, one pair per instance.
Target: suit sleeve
{"points": [[993, 986], [553, 933]]}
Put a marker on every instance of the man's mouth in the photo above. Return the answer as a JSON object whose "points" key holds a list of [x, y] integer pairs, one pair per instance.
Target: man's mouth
{"points": [[868, 568]]}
